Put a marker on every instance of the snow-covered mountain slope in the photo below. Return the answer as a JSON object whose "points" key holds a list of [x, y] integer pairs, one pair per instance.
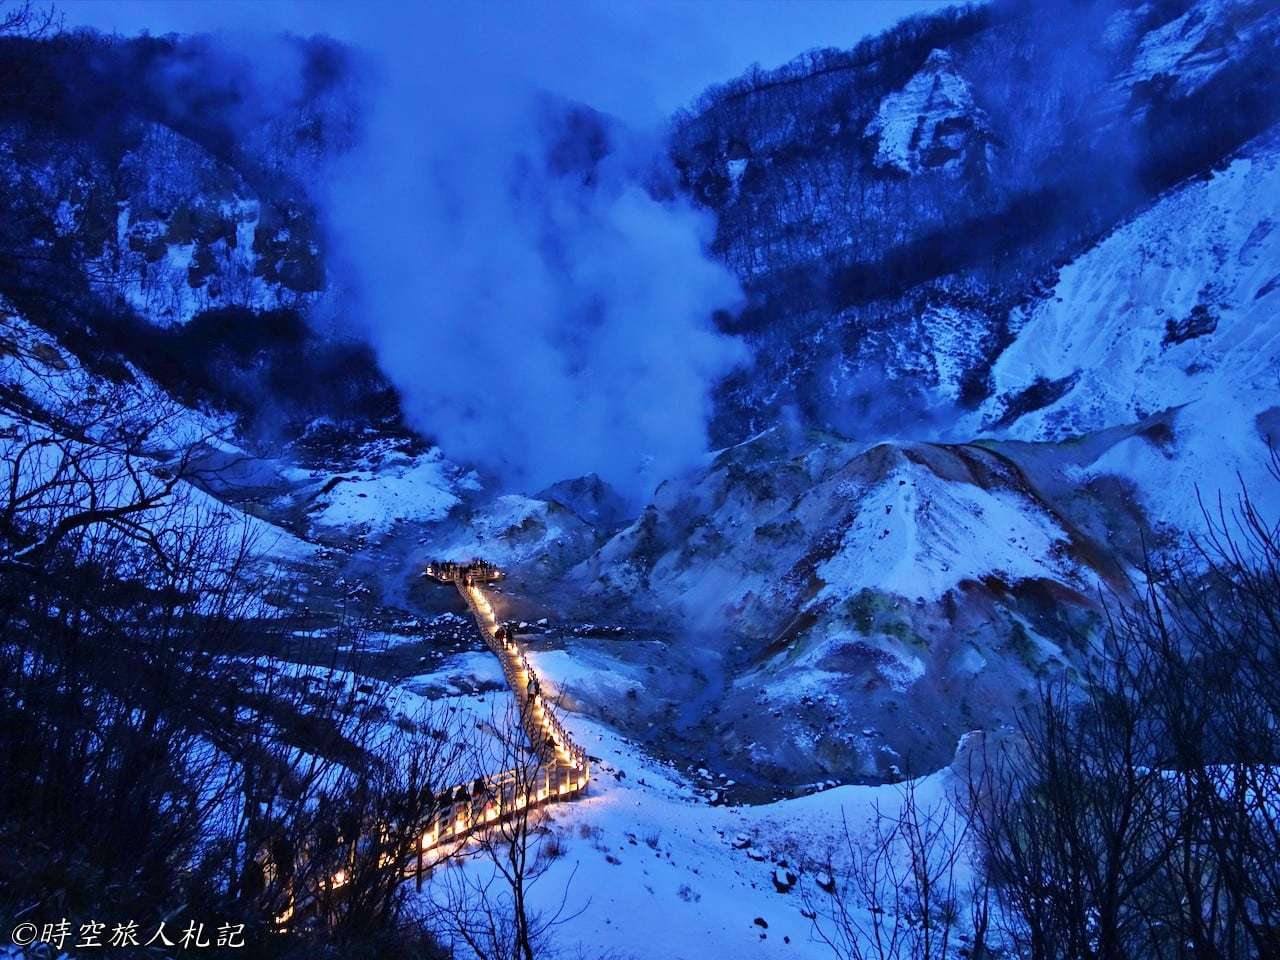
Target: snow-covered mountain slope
{"points": [[1188, 51], [937, 581], [647, 840], [879, 581], [89, 460], [942, 172], [1177, 310], [162, 248], [518, 531], [806, 605], [898, 518], [1066, 278], [159, 211]]}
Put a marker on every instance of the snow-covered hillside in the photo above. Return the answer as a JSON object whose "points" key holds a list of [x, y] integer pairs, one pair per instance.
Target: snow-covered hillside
{"points": [[647, 868], [1144, 379], [191, 235], [1188, 51], [890, 209], [384, 489], [842, 586], [44, 387], [1177, 310]]}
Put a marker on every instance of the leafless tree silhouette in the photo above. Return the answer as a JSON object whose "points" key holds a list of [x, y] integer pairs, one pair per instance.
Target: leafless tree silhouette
{"points": [[900, 888], [484, 901], [1138, 813]]}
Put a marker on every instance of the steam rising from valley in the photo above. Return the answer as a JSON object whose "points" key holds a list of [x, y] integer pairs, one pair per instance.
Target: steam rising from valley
{"points": [[530, 284], [533, 284]]}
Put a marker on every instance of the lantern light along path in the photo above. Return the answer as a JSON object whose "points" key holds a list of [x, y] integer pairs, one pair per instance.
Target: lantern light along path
{"points": [[563, 770]]}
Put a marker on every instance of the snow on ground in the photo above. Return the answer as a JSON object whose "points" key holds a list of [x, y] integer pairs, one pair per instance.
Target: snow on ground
{"points": [[459, 677], [463, 672], [35, 365], [649, 868], [401, 488], [268, 541], [112, 478], [954, 346], [1175, 309], [1217, 452], [918, 535], [450, 695], [650, 871], [588, 669]]}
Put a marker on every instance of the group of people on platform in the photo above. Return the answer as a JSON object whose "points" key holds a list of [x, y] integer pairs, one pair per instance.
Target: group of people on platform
{"points": [[452, 570]]}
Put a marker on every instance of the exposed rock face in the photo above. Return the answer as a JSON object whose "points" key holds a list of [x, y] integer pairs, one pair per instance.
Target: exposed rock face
{"points": [[168, 197], [1190, 51], [890, 207], [909, 590], [158, 212], [931, 123], [191, 235], [1176, 310], [591, 498]]}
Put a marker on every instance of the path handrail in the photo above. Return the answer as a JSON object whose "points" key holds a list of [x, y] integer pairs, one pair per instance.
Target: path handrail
{"points": [[487, 800]]}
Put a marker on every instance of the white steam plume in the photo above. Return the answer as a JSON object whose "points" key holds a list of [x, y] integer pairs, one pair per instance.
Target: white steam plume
{"points": [[542, 320]]}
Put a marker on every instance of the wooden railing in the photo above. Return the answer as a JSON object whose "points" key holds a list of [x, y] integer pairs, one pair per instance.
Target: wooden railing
{"points": [[563, 770]]}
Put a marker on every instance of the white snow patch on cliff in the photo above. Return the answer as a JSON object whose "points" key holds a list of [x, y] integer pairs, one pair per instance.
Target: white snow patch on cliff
{"points": [[927, 123], [918, 535], [1193, 48], [1178, 308]]}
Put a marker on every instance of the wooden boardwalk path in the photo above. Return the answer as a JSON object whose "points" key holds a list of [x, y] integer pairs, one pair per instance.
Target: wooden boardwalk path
{"points": [[563, 770], [558, 769]]}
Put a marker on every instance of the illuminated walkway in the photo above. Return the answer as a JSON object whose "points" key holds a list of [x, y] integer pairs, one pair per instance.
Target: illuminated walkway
{"points": [[557, 768], [561, 770]]}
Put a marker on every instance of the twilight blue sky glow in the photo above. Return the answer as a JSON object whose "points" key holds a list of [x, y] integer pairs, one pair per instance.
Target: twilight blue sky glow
{"points": [[672, 49], [535, 324]]}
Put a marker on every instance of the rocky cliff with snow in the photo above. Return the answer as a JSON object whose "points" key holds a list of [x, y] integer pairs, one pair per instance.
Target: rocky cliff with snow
{"points": [[891, 208], [1013, 293], [1011, 297]]}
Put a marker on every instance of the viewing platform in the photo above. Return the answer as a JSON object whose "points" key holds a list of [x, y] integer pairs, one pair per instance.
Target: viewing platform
{"points": [[474, 571]]}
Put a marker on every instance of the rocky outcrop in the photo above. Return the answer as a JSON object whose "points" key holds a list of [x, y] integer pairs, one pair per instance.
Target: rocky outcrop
{"points": [[867, 603], [158, 213], [943, 171], [191, 235], [932, 123]]}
